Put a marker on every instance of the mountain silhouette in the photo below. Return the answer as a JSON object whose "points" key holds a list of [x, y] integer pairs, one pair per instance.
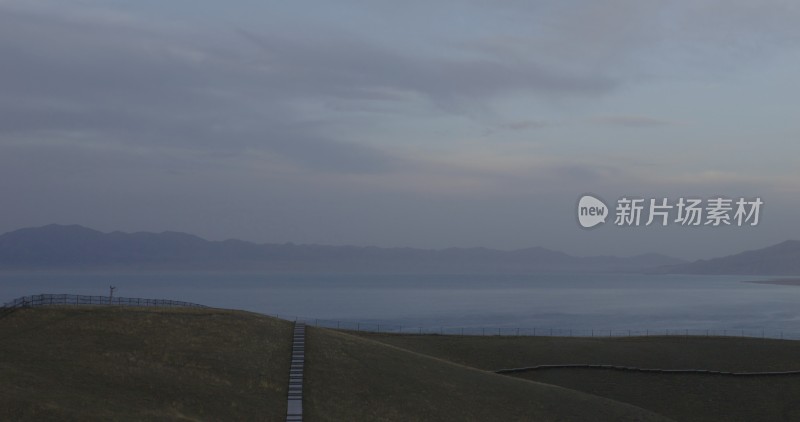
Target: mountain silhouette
{"points": [[780, 259], [73, 247]]}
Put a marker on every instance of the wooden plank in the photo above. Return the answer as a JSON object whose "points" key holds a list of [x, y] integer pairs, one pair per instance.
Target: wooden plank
{"points": [[294, 401]]}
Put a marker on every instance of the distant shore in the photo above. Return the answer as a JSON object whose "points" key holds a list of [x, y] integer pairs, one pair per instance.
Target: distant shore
{"points": [[778, 281]]}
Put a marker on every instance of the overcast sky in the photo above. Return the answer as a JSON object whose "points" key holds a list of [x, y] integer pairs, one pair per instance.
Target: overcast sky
{"points": [[414, 123]]}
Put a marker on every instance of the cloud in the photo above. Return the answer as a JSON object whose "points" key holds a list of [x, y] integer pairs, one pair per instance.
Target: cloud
{"points": [[97, 75], [524, 125], [308, 119], [632, 40], [345, 66], [631, 121], [93, 80]]}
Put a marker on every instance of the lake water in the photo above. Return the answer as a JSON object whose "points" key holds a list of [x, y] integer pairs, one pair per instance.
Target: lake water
{"points": [[580, 303]]}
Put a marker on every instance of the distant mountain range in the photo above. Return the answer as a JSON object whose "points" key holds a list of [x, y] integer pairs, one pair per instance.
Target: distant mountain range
{"points": [[780, 259], [77, 248]]}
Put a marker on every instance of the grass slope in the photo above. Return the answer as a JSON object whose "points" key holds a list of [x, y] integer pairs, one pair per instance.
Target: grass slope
{"points": [[682, 397], [349, 378], [688, 397], [670, 352], [202, 364], [142, 364]]}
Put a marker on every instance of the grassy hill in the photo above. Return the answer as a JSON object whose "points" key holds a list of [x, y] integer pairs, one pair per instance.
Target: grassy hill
{"points": [[355, 379], [668, 352], [194, 364], [104, 363], [688, 397], [112, 363], [682, 397]]}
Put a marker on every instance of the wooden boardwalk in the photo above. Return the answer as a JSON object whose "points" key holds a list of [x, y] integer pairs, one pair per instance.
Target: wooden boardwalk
{"points": [[294, 407], [653, 370]]}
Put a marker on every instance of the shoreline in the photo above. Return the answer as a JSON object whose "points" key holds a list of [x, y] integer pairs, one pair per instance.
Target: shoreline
{"points": [[778, 281]]}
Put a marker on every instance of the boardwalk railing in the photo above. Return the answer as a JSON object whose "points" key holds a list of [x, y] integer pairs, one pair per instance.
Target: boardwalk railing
{"points": [[651, 370], [65, 299]]}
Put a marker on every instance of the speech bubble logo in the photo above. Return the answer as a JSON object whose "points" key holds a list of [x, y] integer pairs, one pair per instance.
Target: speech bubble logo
{"points": [[591, 211]]}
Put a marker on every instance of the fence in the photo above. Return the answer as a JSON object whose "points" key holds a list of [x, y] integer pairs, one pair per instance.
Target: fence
{"points": [[648, 370], [65, 299], [390, 328]]}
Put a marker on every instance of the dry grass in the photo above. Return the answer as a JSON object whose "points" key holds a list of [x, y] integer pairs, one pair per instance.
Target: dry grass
{"points": [[671, 352], [142, 364], [684, 397], [688, 397], [116, 363], [354, 379]]}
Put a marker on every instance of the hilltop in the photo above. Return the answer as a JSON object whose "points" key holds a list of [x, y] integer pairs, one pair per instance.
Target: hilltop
{"points": [[780, 259]]}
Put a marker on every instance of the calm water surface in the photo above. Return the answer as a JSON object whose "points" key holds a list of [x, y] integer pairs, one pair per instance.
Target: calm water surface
{"points": [[578, 302]]}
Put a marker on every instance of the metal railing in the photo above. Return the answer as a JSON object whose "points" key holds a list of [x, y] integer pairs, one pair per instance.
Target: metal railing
{"points": [[78, 300]]}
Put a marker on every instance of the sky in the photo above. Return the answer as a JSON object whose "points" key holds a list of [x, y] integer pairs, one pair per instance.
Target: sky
{"points": [[422, 124]]}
